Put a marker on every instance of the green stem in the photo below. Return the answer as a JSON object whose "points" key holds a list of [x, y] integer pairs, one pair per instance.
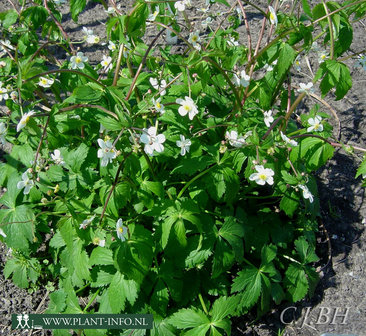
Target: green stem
{"points": [[331, 33], [232, 86], [194, 179], [203, 303], [91, 300]]}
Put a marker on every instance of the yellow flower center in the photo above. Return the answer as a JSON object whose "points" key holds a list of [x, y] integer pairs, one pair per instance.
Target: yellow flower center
{"points": [[263, 177], [120, 229], [78, 60], [44, 81], [158, 105], [316, 126], [272, 17], [187, 107], [194, 38]]}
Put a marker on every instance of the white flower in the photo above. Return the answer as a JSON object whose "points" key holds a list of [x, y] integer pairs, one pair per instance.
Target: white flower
{"points": [[26, 183], [232, 42], [3, 92], [4, 47], [361, 61], [315, 47], [59, 2], [184, 145], [57, 157], [272, 16], [101, 242], [153, 16], [110, 10], [158, 86], [269, 67], [2, 233], [106, 152], [2, 133], [268, 118], [262, 175], [187, 106], [152, 141], [194, 38], [86, 222], [206, 23], [77, 62], [306, 87], [158, 106], [306, 193], [24, 120], [322, 56], [14, 95], [297, 64], [171, 39], [45, 82], [181, 5], [126, 49], [90, 37], [111, 46], [121, 230], [243, 81], [315, 124], [234, 139], [106, 63], [288, 140], [204, 10]]}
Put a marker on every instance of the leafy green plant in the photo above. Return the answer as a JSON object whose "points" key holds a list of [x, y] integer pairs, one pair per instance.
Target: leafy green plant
{"points": [[169, 181]]}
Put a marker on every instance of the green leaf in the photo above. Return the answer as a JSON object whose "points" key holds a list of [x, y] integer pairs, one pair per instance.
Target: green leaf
{"points": [[224, 307], [306, 8], [314, 151], [188, 318], [23, 153], [155, 187], [268, 253], [101, 256], [87, 93], [57, 302], [18, 227], [296, 282], [249, 283], [76, 7], [76, 157], [8, 18], [290, 202], [285, 59], [305, 251], [233, 232], [334, 74], [288, 178], [121, 290]]}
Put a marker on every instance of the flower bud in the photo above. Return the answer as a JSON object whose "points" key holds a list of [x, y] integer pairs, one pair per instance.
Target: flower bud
{"points": [[57, 189], [264, 161]]}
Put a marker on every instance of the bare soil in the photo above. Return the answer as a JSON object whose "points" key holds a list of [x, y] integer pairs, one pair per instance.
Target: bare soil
{"points": [[339, 304]]}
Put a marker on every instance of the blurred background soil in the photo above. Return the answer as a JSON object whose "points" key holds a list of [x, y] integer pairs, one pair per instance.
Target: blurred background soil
{"points": [[342, 288]]}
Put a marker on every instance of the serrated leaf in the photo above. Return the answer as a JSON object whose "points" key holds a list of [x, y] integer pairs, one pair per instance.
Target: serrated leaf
{"points": [[57, 302], [306, 252], [306, 8], [76, 7], [285, 59], [296, 281], [224, 307], [268, 253], [188, 318], [101, 256], [314, 152], [121, 290], [76, 157], [18, 226]]}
